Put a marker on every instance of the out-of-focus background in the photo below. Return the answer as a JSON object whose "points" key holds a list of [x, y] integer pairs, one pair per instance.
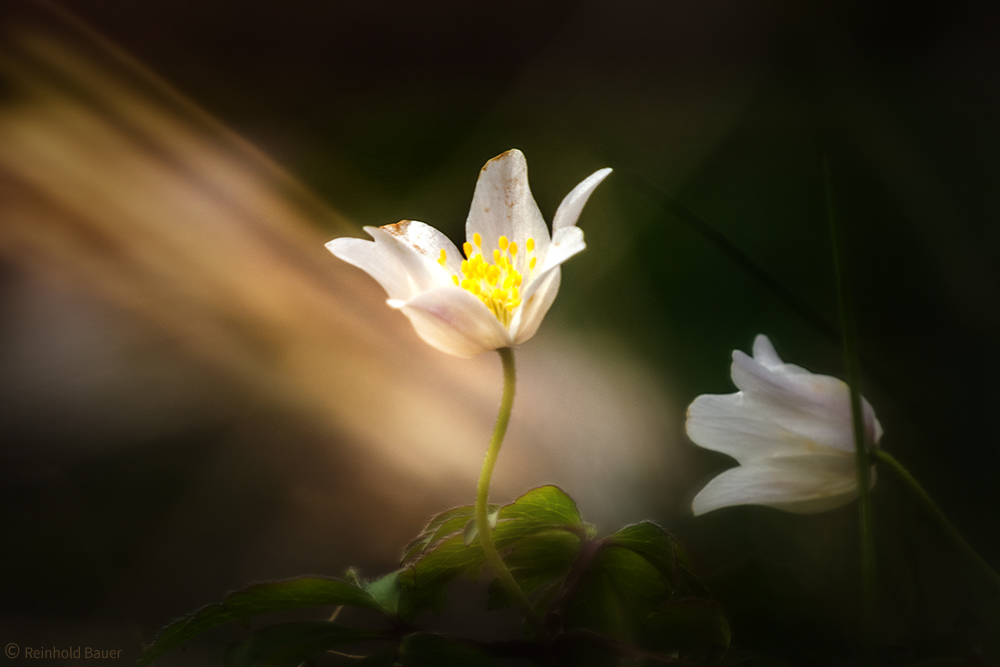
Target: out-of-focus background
{"points": [[194, 395]]}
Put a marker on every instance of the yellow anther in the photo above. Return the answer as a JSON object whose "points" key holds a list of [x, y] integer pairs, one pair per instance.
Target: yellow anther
{"points": [[454, 279], [534, 260], [443, 258], [494, 282]]}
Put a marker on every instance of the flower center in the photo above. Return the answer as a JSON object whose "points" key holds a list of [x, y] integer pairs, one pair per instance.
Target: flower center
{"points": [[496, 283]]}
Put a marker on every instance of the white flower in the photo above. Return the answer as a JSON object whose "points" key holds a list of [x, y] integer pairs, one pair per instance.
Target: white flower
{"points": [[789, 429], [497, 295]]}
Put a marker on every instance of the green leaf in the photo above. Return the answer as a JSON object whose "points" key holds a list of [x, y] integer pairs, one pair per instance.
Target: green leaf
{"points": [[652, 543], [294, 594], [424, 649], [658, 547], [536, 560], [472, 530], [694, 627], [617, 592], [290, 644], [439, 562], [385, 592], [545, 506], [423, 583], [255, 600], [445, 525]]}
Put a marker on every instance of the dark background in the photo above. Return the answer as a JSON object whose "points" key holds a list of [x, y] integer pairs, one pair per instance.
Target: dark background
{"points": [[717, 118]]}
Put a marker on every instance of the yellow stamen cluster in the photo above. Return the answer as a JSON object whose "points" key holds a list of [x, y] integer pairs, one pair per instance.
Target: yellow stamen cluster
{"points": [[497, 284]]}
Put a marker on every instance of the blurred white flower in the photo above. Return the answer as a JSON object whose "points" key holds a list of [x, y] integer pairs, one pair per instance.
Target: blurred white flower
{"points": [[789, 429], [497, 295]]}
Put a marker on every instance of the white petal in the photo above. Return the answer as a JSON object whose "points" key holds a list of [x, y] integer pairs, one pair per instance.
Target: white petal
{"points": [[571, 206], [814, 406], [454, 321], [732, 425], [764, 352], [532, 311], [402, 269], [801, 484], [503, 206], [567, 242], [427, 241], [377, 262], [423, 272], [538, 294]]}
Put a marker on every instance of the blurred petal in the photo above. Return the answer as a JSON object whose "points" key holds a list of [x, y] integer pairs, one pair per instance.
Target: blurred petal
{"points": [[454, 321], [764, 352], [790, 430], [572, 205], [801, 484], [732, 425], [815, 406], [503, 206]]}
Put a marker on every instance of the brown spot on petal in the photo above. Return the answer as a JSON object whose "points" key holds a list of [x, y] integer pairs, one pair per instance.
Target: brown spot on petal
{"points": [[401, 230], [397, 229], [497, 158]]}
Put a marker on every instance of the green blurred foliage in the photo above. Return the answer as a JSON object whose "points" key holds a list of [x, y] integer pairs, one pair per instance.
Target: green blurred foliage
{"points": [[623, 599]]}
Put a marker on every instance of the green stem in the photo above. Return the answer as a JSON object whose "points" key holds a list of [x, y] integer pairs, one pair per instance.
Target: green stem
{"points": [[863, 465], [483, 493], [935, 511]]}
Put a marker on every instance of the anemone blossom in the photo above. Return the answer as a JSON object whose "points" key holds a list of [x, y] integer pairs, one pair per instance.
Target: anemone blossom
{"points": [[790, 430], [493, 293]]}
